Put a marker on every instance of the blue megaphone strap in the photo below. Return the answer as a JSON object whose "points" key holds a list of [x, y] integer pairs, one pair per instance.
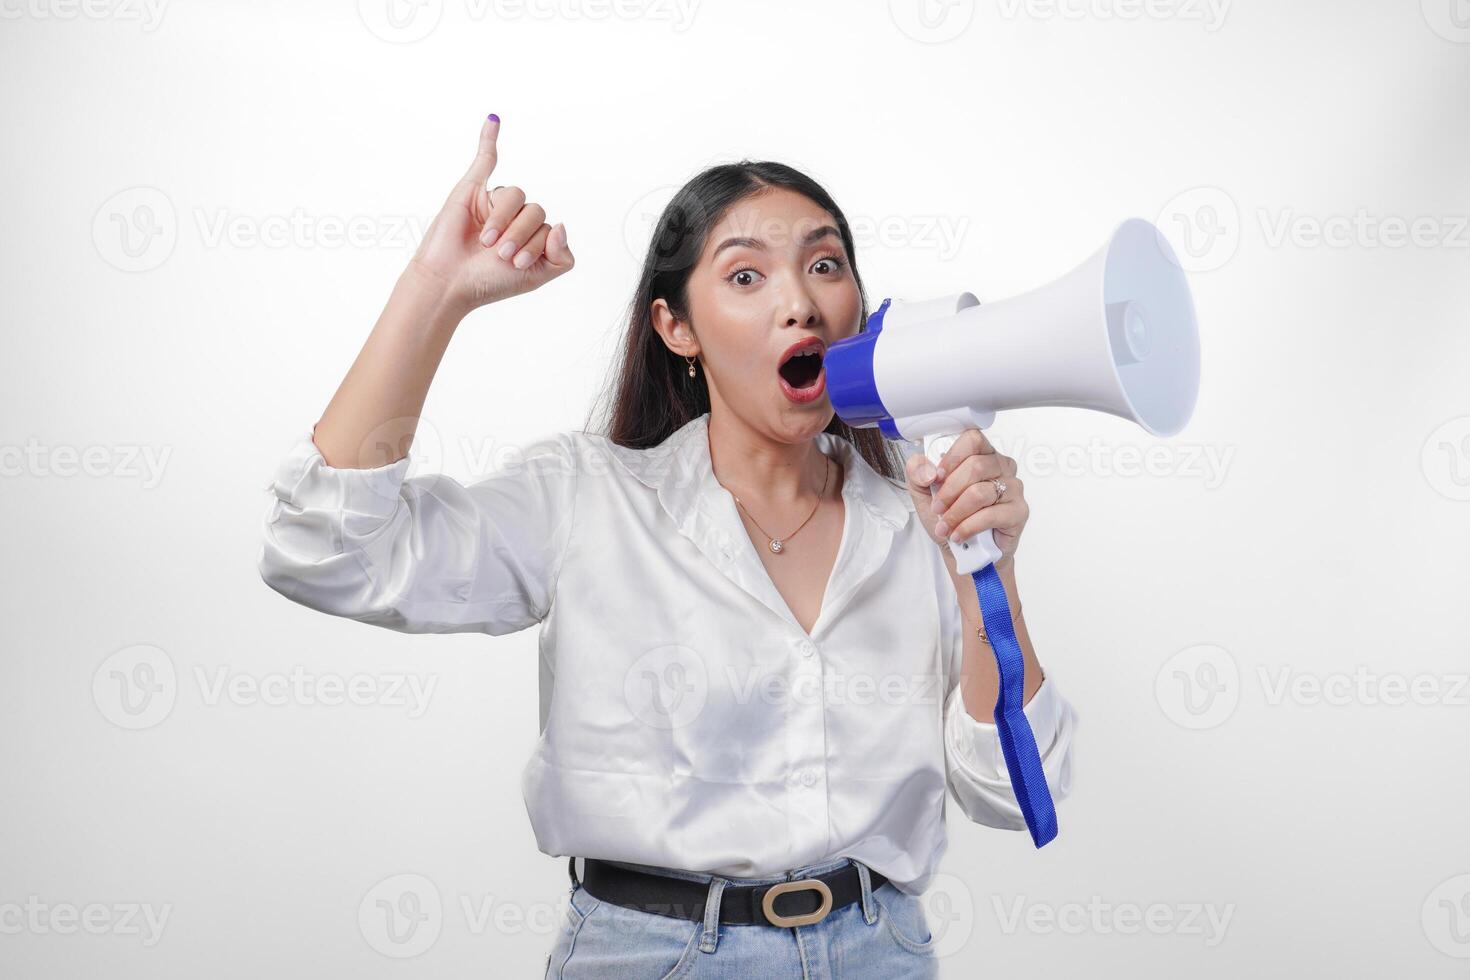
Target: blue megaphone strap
{"points": [[1017, 741]]}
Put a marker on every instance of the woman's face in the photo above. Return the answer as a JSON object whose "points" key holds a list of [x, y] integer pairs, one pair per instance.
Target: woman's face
{"points": [[773, 278]]}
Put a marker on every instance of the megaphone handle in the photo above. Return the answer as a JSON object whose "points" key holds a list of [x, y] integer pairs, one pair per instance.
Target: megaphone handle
{"points": [[976, 556], [977, 551]]}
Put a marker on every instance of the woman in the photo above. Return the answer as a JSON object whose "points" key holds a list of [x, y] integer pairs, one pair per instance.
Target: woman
{"points": [[759, 666]]}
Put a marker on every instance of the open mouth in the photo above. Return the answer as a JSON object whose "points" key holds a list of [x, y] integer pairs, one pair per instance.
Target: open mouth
{"points": [[803, 365]]}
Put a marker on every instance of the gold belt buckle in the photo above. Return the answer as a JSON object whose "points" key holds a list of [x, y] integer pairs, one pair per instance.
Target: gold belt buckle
{"points": [[768, 902]]}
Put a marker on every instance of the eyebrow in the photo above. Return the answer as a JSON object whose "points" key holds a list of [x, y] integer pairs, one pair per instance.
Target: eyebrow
{"points": [[811, 238]]}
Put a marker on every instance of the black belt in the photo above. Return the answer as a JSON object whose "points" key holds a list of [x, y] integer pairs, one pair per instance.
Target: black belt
{"points": [[798, 902]]}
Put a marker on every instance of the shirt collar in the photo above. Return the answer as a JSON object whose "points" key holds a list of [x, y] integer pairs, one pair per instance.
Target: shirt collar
{"points": [[703, 511], [679, 468]]}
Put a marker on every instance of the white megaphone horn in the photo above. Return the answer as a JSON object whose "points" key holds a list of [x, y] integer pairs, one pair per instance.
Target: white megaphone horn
{"points": [[1117, 334]]}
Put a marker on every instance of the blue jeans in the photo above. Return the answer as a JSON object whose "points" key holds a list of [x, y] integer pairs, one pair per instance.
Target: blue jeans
{"points": [[886, 935]]}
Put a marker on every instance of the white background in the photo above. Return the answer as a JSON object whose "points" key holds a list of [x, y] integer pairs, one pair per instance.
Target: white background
{"points": [[173, 292]]}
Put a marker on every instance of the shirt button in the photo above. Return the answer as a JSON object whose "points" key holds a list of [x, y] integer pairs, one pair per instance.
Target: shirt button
{"points": [[809, 778], [807, 648]]}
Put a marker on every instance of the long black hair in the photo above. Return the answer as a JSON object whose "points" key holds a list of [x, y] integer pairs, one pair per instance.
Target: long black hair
{"points": [[652, 393]]}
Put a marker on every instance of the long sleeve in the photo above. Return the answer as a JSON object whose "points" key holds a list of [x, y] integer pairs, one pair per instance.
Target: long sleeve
{"points": [[974, 764], [421, 554]]}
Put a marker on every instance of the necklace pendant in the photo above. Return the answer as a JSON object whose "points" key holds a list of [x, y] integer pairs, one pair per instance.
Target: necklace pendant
{"points": [[776, 545]]}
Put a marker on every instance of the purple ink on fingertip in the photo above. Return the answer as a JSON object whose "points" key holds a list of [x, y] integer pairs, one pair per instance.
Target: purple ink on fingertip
{"points": [[494, 117]]}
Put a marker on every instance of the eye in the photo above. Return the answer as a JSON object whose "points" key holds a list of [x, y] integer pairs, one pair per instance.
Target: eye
{"points": [[835, 260], [740, 272]]}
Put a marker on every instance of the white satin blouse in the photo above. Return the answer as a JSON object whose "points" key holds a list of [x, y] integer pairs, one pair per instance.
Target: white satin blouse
{"points": [[687, 720]]}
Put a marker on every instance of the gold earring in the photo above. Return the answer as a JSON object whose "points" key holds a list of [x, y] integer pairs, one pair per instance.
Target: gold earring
{"points": [[691, 364]]}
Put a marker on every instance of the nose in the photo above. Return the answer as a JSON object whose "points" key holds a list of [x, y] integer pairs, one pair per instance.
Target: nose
{"points": [[800, 309]]}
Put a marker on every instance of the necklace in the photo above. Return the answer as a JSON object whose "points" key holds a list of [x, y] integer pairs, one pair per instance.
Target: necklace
{"points": [[777, 545]]}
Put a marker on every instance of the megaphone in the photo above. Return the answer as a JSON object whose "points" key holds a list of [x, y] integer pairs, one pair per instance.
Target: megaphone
{"points": [[1117, 334]]}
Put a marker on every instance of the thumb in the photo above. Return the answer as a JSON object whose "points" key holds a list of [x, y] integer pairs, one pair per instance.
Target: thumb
{"points": [[920, 473], [558, 255]]}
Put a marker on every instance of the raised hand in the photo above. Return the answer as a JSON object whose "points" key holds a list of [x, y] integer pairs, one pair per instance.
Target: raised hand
{"points": [[486, 245]]}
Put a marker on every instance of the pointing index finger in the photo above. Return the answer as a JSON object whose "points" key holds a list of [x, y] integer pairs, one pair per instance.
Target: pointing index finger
{"points": [[485, 156]]}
